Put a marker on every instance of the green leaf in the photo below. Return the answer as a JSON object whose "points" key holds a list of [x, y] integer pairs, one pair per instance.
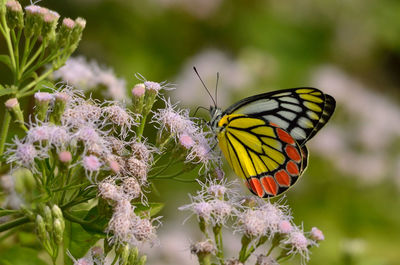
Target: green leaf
{"points": [[6, 60], [153, 207], [44, 86], [20, 256], [98, 223], [6, 91], [77, 240]]}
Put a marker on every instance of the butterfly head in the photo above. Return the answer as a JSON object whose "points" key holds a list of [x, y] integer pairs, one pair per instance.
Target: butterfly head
{"points": [[215, 114]]}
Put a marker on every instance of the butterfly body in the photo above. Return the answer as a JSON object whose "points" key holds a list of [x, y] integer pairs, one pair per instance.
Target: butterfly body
{"points": [[263, 137]]}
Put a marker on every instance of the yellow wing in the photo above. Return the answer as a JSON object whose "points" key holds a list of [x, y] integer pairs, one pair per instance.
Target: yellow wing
{"points": [[266, 156]]}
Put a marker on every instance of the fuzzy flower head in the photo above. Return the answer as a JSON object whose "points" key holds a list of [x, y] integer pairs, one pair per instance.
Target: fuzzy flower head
{"points": [[297, 243], [252, 223], [218, 189], [201, 209], [131, 188], [119, 116], [91, 164], [137, 168], [221, 211], [120, 223], [202, 152], [24, 153], [186, 141], [274, 214], [109, 191], [142, 151], [203, 247], [174, 120], [144, 230]]}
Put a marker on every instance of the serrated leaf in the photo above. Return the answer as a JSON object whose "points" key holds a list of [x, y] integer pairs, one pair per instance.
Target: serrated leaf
{"points": [[6, 60], [153, 208]]}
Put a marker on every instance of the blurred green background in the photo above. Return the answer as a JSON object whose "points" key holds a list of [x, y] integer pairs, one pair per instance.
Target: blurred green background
{"points": [[349, 49]]}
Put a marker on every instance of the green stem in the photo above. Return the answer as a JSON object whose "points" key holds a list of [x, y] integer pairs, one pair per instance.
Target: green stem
{"points": [[32, 84], [141, 128], [4, 132], [6, 33], [74, 219], [33, 58], [14, 223], [217, 229], [66, 183], [245, 243], [253, 248]]}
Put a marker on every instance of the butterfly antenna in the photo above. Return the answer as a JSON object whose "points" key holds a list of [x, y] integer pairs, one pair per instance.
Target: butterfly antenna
{"points": [[208, 91], [216, 89]]}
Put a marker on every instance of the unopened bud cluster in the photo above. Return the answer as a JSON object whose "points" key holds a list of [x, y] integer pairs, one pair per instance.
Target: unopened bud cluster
{"points": [[50, 226]]}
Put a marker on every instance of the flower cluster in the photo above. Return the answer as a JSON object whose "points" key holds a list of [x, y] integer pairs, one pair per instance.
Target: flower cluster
{"points": [[261, 224], [77, 149]]}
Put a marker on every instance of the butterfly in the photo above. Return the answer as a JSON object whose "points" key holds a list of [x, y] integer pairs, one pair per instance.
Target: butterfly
{"points": [[263, 137]]}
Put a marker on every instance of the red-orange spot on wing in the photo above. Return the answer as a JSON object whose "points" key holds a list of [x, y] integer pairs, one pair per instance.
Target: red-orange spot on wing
{"points": [[269, 185], [292, 168], [256, 186], [292, 153], [284, 136], [273, 124], [282, 178]]}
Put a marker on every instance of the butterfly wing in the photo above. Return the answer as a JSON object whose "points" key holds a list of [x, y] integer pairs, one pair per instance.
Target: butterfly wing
{"points": [[302, 112], [266, 156]]}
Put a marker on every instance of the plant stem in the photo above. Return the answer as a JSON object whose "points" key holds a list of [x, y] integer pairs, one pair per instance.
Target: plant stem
{"points": [[4, 131], [33, 83], [245, 243], [217, 229], [14, 223], [6, 33], [141, 128]]}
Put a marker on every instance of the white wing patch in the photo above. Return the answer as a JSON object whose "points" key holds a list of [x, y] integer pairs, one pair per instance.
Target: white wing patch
{"points": [[256, 106]]}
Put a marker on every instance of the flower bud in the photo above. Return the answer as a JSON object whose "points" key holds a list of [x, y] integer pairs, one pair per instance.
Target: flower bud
{"points": [[65, 157], [56, 211], [133, 255], [124, 254], [41, 228], [152, 89], [42, 100], [60, 102], [50, 20], [12, 105], [65, 31], [138, 92], [48, 218], [15, 16], [58, 231], [317, 234], [33, 20]]}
